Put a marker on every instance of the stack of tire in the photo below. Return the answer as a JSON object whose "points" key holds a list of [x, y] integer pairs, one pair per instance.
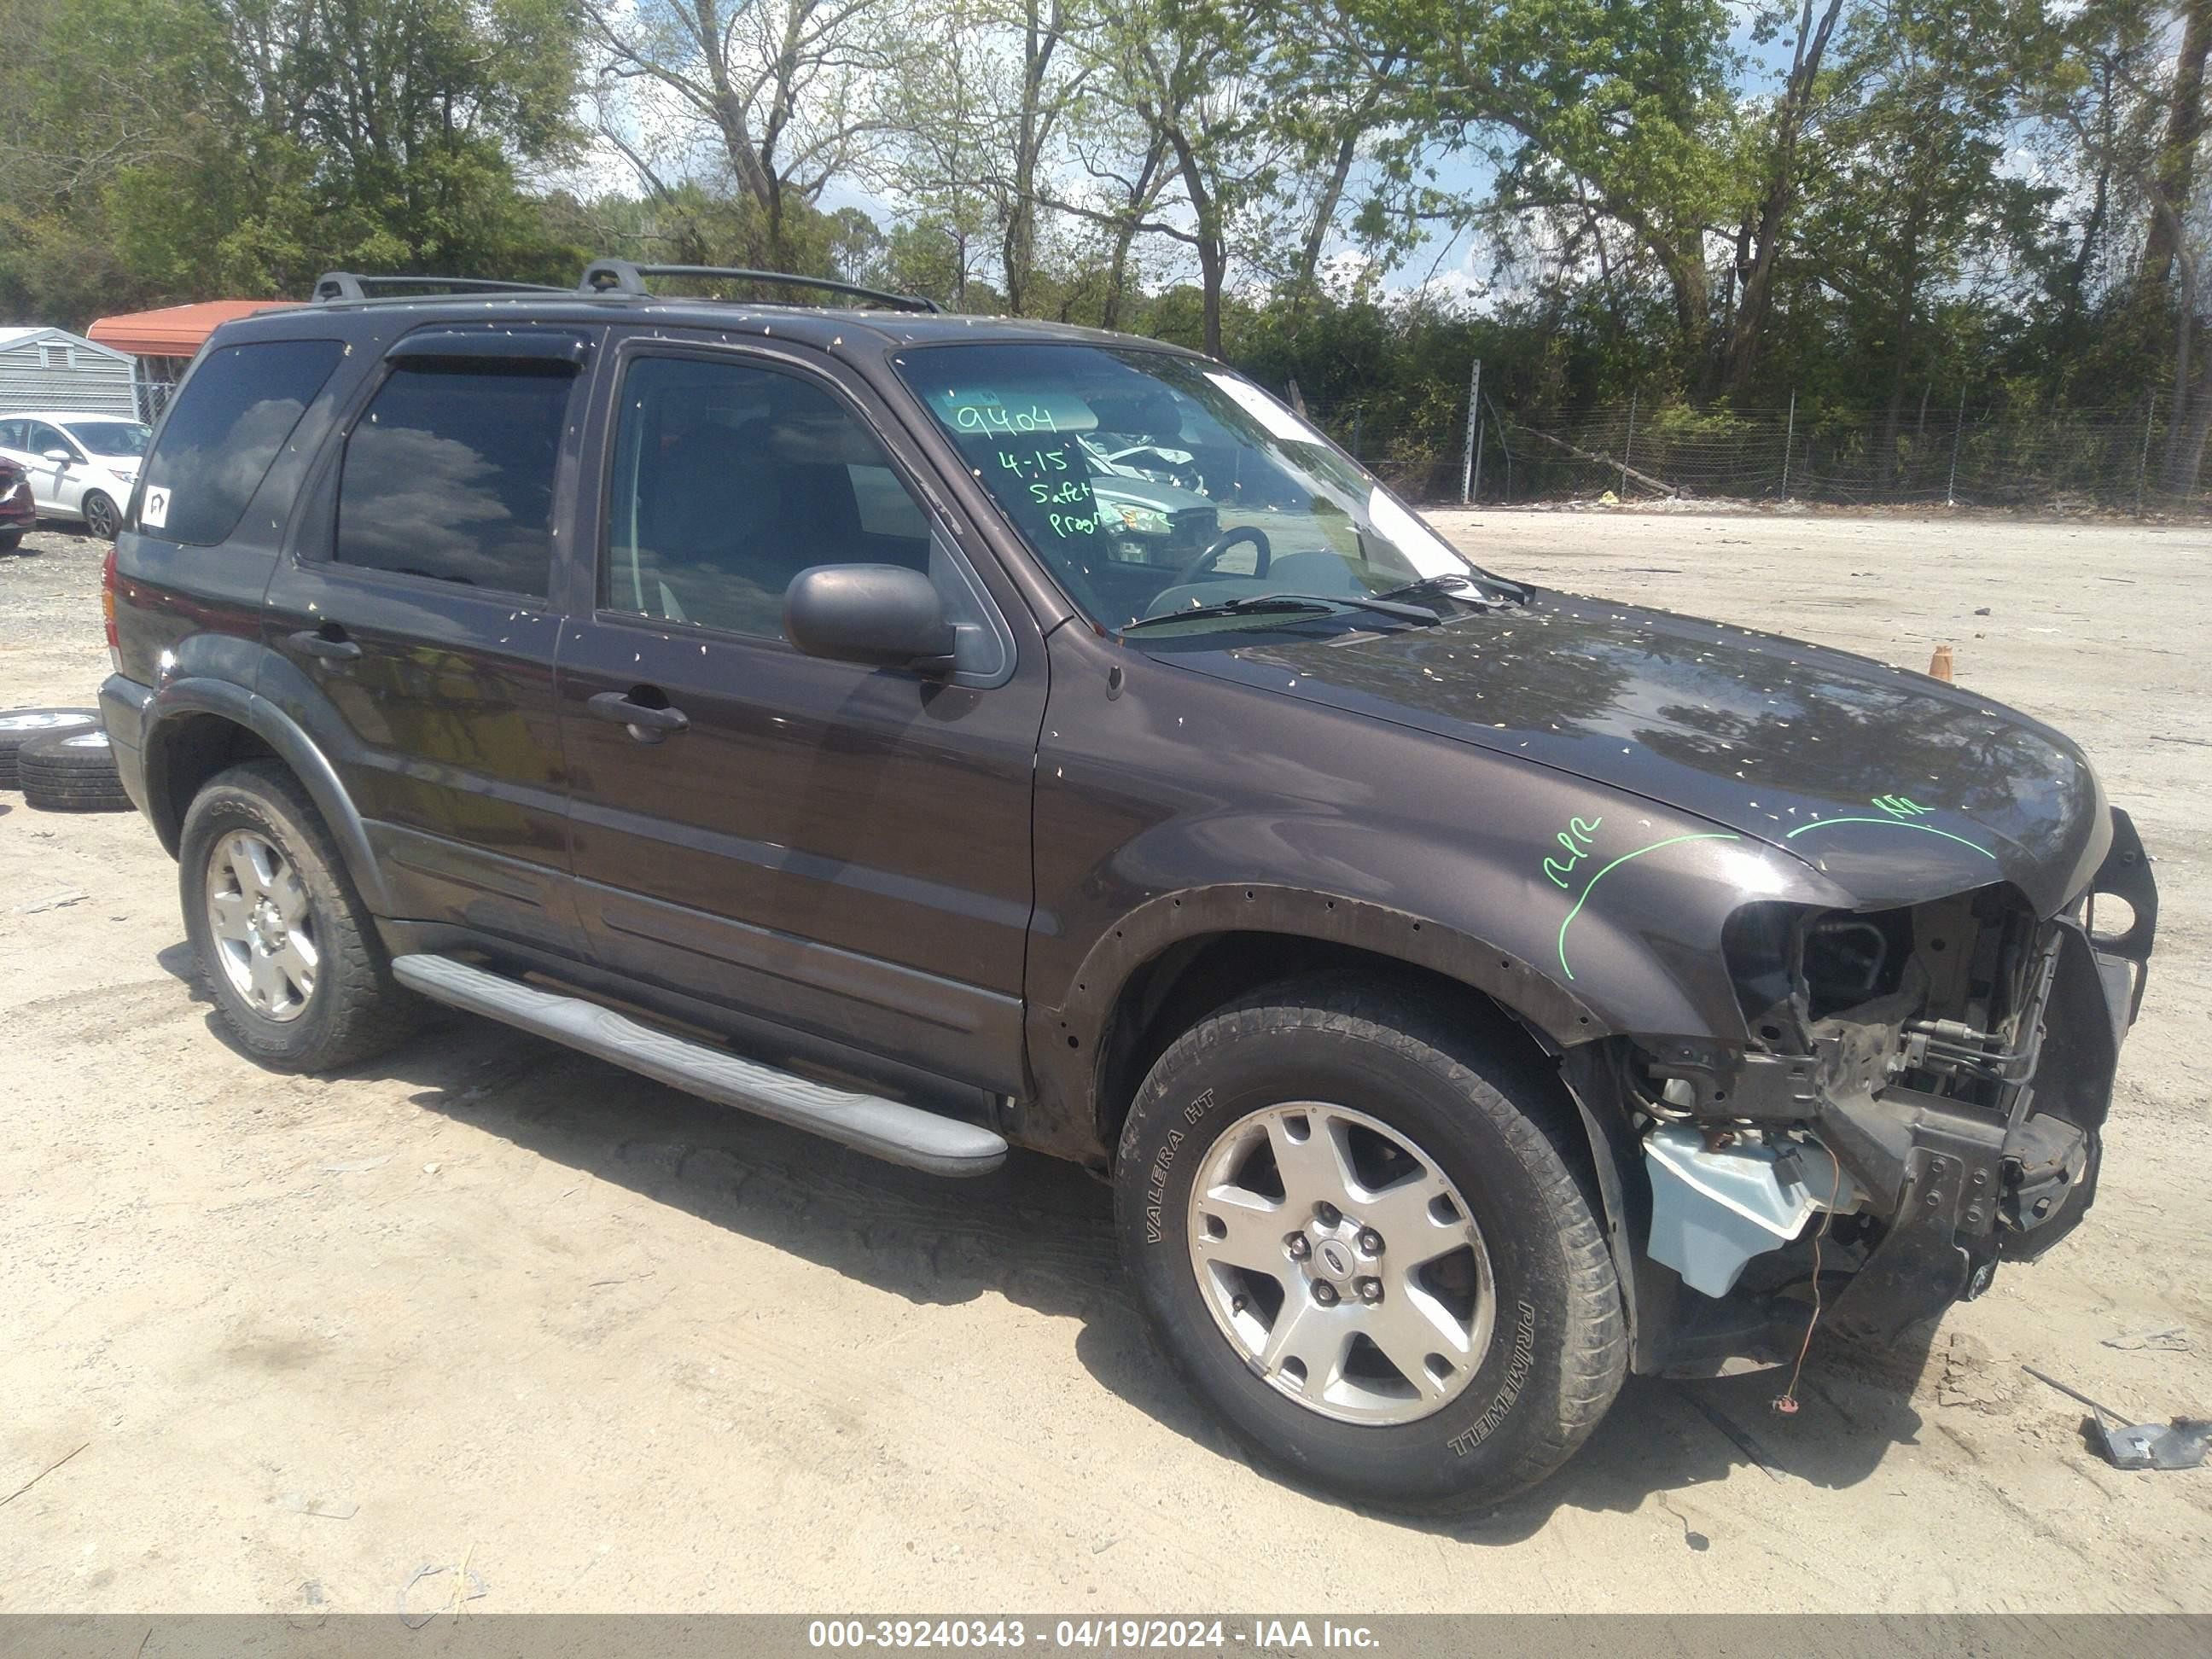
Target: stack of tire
{"points": [[59, 758]]}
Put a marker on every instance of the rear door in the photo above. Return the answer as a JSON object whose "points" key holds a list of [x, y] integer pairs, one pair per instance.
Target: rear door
{"points": [[413, 622], [820, 845]]}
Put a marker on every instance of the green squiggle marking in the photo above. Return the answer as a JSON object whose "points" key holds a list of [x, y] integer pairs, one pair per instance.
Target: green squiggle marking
{"points": [[1672, 840], [1893, 823]]}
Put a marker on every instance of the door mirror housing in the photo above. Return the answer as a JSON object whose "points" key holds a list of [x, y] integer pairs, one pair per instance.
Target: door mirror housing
{"points": [[884, 614], [61, 455]]}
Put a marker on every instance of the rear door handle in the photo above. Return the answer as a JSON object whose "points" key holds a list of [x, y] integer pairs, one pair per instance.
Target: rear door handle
{"points": [[329, 642], [645, 723]]}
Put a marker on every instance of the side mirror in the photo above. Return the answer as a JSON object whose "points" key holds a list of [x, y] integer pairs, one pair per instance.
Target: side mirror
{"points": [[61, 455], [881, 614]]}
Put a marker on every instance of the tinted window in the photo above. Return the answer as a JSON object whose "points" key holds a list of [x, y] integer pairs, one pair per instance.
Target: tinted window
{"points": [[729, 481], [1152, 483], [449, 474], [11, 435], [232, 415]]}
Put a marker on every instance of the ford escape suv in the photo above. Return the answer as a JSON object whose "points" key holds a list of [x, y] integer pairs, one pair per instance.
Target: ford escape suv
{"points": [[947, 733]]}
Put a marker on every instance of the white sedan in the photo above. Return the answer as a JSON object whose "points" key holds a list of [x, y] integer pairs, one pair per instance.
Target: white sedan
{"points": [[80, 466]]}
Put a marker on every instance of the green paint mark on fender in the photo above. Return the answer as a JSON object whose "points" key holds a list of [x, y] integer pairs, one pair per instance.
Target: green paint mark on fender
{"points": [[1890, 823], [1671, 841]]}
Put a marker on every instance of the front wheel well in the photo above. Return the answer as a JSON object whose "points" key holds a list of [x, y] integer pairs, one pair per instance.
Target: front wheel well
{"points": [[194, 749], [1167, 995]]}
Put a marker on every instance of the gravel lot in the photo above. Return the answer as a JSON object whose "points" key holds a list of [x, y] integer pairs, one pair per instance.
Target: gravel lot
{"points": [[620, 1350]]}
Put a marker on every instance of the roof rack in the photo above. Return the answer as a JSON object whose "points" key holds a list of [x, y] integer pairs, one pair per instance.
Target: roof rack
{"points": [[350, 285], [621, 277]]}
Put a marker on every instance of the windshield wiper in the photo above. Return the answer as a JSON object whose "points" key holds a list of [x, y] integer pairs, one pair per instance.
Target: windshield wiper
{"points": [[1252, 603], [1458, 586]]}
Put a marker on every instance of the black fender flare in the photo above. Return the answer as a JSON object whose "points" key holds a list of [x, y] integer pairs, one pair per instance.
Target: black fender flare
{"points": [[1559, 1020], [200, 695], [1069, 1043]]}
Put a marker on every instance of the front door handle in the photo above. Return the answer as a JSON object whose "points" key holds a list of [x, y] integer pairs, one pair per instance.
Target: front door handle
{"points": [[647, 723], [329, 642]]}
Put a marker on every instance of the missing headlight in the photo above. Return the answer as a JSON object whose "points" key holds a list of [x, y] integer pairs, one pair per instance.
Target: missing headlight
{"points": [[1844, 957]]}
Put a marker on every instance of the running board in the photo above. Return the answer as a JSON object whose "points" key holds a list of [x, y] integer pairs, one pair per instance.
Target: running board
{"points": [[887, 1128]]}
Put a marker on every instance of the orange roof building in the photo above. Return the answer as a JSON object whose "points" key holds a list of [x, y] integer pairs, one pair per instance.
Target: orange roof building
{"points": [[175, 332]]}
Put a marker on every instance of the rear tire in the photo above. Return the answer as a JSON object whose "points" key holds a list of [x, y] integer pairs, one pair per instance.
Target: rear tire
{"points": [[282, 944], [1442, 1145], [10, 540]]}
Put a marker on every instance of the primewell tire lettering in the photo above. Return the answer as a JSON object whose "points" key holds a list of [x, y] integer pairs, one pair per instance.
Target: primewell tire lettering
{"points": [[1516, 1373]]}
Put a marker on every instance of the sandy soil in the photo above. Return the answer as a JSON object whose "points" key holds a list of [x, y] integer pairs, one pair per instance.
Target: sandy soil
{"points": [[623, 1351]]}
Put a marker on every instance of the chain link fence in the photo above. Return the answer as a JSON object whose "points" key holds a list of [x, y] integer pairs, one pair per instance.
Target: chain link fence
{"points": [[2114, 458]]}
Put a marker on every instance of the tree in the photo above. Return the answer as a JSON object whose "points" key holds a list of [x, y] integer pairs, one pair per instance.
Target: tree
{"points": [[175, 148], [1183, 69], [1912, 200], [1759, 244], [785, 89], [2174, 172], [1621, 111]]}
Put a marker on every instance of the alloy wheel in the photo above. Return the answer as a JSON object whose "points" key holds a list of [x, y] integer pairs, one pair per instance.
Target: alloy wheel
{"points": [[264, 928], [1341, 1262]]}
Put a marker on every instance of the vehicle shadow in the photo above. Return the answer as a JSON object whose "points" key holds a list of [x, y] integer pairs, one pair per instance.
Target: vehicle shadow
{"points": [[1040, 1233]]}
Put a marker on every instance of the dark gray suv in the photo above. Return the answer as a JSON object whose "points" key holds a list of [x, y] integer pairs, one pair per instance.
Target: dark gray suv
{"points": [[945, 733]]}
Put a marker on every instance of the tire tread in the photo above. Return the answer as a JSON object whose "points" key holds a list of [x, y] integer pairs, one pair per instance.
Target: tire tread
{"points": [[370, 1010], [1426, 1030]]}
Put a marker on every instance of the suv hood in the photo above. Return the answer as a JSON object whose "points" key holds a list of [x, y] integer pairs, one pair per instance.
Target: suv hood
{"points": [[1897, 787]]}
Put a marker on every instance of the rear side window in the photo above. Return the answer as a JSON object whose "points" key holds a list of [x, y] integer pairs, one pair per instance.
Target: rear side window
{"points": [[235, 412], [449, 474]]}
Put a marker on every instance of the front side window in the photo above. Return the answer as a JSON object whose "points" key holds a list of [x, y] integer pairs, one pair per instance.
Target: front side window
{"points": [[729, 480], [1153, 484], [449, 473], [115, 439], [235, 412]]}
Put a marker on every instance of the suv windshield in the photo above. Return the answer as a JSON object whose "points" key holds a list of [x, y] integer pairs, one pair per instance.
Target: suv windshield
{"points": [[1154, 484], [110, 437]]}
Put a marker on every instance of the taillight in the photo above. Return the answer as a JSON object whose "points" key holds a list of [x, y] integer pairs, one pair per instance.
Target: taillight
{"points": [[107, 608]]}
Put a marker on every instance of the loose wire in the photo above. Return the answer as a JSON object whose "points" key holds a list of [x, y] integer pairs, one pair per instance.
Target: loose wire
{"points": [[1786, 1402]]}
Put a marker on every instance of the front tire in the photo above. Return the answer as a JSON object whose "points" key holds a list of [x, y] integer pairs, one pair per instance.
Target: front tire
{"points": [[282, 944], [1358, 1236], [101, 518]]}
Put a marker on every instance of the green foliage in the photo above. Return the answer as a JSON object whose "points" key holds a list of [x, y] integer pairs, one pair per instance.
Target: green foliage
{"points": [[178, 149], [1954, 202]]}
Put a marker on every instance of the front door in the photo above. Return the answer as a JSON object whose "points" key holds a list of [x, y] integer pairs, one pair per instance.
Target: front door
{"points": [[57, 486], [417, 634], [815, 845]]}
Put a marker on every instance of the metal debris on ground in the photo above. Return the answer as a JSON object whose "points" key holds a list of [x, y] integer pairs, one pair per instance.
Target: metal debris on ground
{"points": [[467, 1585], [2179, 1444], [2174, 1339]]}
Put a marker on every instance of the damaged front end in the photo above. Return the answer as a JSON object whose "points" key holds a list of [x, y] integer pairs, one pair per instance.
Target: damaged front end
{"points": [[1920, 1097]]}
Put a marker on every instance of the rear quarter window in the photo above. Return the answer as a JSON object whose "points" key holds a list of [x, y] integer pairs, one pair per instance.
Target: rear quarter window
{"points": [[234, 412]]}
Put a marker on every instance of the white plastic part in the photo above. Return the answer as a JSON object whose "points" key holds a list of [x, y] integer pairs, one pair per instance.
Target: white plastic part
{"points": [[1713, 1209]]}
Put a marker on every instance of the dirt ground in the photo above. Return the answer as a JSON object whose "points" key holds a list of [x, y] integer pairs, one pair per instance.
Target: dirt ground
{"points": [[487, 1301]]}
